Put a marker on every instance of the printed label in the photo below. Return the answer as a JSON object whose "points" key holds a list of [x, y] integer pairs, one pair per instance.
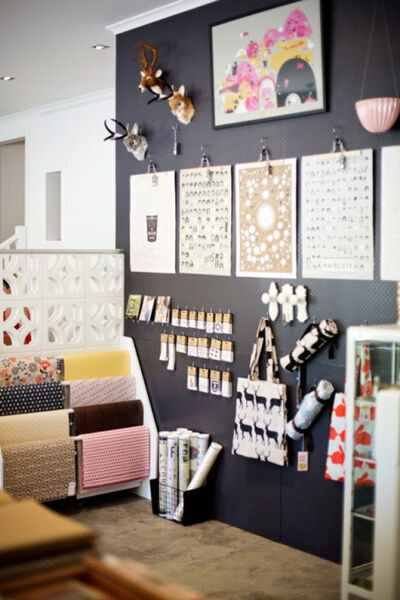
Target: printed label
{"points": [[302, 461], [201, 319], [193, 319], [227, 324], [218, 323]]}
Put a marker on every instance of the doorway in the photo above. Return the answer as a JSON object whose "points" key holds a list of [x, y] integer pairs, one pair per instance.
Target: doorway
{"points": [[12, 187]]}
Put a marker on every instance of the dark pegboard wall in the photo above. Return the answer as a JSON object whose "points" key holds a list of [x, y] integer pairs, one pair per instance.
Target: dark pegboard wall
{"points": [[299, 509]]}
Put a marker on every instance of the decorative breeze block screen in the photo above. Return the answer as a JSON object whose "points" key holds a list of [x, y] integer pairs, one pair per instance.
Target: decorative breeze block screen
{"points": [[60, 301]]}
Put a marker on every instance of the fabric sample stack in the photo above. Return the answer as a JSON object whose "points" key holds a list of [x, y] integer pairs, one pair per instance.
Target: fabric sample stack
{"points": [[37, 446], [38, 454]]}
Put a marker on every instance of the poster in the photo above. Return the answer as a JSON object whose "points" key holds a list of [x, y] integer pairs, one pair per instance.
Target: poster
{"points": [[266, 219], [337, 216], [205, 196], [390, 216], [268, 65], [152, 222]]}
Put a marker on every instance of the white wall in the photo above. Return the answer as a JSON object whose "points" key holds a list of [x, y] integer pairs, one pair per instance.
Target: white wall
{"points": [[12, 188], [68, 136]]}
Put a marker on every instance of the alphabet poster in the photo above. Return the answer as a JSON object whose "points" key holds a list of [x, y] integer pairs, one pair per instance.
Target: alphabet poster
{"points": [[337, 216], [390, 219], [266, 219], [152, 222], [205, 220]]}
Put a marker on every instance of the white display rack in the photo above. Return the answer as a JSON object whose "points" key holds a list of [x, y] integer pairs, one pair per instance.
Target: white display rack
{"points": [[62, 301]]}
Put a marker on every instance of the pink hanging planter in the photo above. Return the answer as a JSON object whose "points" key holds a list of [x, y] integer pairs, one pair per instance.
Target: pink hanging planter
{"points": [[378, 114]]}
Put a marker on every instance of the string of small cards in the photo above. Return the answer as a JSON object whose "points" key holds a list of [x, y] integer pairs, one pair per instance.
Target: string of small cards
{"points": [[201, 379]]}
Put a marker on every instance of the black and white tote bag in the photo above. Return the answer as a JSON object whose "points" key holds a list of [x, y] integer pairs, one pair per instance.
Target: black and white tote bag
{"points": [[260, 420]]}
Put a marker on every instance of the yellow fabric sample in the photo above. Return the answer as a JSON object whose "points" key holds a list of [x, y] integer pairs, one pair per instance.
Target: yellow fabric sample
{"points": [[88, 365], [34, 426], [29, 529], [5, 498]]}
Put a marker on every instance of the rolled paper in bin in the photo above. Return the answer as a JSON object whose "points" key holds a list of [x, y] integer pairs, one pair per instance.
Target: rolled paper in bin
{"points": [[204, 442], [200, 475], [162, 472], [310, 407], [194, 452], [172, 475], [183, 463]]}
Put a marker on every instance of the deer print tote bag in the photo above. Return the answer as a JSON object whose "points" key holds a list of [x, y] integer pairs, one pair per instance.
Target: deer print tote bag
{"points": [[260, 420]]}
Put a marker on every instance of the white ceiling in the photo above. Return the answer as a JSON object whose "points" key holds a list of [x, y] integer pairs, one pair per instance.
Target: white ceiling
{"points": [[47, 46]]}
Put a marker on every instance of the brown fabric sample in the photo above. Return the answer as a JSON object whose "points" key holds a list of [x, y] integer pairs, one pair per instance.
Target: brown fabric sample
{"points": [[29, 530], [103, 417], [43, 470]]}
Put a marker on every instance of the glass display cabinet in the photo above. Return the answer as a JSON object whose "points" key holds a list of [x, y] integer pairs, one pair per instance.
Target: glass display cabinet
{"points": [[370, 559]]}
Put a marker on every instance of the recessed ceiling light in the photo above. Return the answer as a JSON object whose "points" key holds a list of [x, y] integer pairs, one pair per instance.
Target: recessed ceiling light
{"points": [[7, 78], [100, 47]]}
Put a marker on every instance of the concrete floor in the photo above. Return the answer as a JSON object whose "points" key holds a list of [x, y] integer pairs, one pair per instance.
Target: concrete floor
{"points": [[221, 561]]}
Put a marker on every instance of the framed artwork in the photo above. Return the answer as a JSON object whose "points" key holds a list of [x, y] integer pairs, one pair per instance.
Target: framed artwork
{"points": [[268, 65]]}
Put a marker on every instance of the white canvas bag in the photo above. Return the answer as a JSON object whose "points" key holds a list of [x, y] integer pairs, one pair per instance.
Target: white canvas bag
{"points": [[260, 420]]}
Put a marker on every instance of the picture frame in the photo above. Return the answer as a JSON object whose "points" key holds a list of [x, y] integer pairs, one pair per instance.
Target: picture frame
{"points": [[268, 65]]}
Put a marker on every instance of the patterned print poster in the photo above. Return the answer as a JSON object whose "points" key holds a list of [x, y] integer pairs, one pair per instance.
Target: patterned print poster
{"points": [[337, 215], [266, 219], [205, 197]]}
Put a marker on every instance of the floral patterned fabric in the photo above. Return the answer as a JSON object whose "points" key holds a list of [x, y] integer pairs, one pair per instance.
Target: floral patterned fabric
{"points": [[27, 370]]}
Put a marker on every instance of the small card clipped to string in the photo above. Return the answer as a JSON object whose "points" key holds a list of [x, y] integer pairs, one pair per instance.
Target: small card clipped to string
{"points": [[203, 350], [193, 319], [164, 347], [210, 322], [302, 459], [215, 383], [227, 323], [192, 347], [171, 352], [226, 384], [192, 378], [218, 322], [201, 319], [215, 350], [204, 381], [227, 354], [176, 317], [182, 344], [184, 318]]}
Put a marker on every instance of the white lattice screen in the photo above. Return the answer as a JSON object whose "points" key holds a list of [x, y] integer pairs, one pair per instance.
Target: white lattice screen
{"points": [[61, 301]]}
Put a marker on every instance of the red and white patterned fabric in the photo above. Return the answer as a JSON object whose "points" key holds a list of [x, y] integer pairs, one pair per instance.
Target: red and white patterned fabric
{"points": [[115, 456], [104, 390], [337, 437], [364, 422]]}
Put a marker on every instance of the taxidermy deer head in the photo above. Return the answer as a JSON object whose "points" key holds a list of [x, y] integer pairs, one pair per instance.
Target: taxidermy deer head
{"points": [[133, 141], [181, 106], [151, 79]]}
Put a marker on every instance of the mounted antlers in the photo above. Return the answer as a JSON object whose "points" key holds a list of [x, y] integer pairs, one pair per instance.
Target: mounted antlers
{"points": [[151, 79]]}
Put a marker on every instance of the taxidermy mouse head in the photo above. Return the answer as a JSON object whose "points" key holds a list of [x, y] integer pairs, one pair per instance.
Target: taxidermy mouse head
{"points": [[181, 106], [134, 142]]}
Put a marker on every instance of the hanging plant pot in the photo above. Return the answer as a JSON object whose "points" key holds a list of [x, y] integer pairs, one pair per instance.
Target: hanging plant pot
{"points": [[378, 114]]}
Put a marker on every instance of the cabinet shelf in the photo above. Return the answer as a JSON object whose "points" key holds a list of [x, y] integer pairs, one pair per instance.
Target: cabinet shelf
{"points": [[355, 513], [371, 551]]}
